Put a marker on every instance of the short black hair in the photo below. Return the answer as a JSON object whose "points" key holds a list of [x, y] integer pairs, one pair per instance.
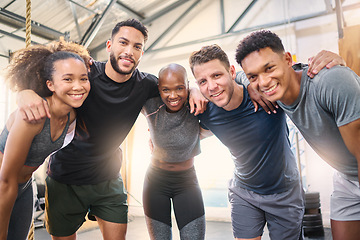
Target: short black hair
{"points": [[256, 41], [131, 23]]}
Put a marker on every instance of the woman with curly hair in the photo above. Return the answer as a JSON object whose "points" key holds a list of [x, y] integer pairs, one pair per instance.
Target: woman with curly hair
{"points": [[58, 74]]}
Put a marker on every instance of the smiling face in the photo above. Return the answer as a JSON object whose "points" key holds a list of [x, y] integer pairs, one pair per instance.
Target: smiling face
{"points": [[270, 73], [173, 88], [216, 82], [126, 49], [70, 82]]}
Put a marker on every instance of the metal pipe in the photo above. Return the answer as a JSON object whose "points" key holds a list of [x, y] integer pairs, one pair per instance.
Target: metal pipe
{"points": [[242, 15], [129, 10], [172, 25], [339, 18], [95, 27], [222, 16]]}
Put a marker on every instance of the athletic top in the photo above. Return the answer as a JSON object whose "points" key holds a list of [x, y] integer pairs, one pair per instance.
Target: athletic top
{"points": [[103, 121], [259, 144], [42, 145], [175, 136], [328, 101]]}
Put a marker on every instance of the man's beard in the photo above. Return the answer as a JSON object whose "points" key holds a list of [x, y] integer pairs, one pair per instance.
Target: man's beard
{"points": [[116, 67]]}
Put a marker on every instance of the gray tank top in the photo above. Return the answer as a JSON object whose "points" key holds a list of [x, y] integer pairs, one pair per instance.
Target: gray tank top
{"points": [[175, 136], [41, 146]]}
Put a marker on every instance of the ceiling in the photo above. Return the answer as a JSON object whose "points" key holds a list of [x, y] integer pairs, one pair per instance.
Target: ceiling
{"points": [[89, 22]]}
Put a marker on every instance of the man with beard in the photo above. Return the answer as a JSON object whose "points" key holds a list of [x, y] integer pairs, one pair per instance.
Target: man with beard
{"points": [[83, 177]]}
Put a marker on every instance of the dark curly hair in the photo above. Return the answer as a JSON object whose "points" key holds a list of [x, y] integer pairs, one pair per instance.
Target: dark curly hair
{"points": [[208, 53], [256, 41], [130, 23], [31, 67]]}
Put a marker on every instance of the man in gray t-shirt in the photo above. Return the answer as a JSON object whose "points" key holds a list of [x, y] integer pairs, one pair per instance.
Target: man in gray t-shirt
{"points": [[326, 110]]}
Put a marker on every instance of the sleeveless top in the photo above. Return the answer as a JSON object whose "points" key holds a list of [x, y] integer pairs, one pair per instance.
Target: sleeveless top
{"points": [[41, 146]]}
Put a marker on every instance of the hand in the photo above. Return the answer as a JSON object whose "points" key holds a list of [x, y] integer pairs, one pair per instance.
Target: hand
{"points": [[89, 61], [32, 107], [197, 102], [324, 59], [257, 99]]}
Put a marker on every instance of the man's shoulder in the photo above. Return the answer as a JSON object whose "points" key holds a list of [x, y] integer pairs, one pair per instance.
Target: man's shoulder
{"points": [[335, 73], [144, 76], [97, 68], [211, 110], [336, 77]]}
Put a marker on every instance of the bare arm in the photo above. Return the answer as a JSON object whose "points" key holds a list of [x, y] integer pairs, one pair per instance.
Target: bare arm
{"points": [[197, 101], [32, 107], [255, 96], [17, 147], [324, 59], [257, 100], [351, 136], [204, 133]]}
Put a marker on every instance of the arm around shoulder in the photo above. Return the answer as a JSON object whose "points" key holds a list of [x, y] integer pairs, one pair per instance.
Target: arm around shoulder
{"points": [[204, 133], [32, 107]]}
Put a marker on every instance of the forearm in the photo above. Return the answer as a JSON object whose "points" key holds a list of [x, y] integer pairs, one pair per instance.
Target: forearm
{"points": [[32, 107], [241, 78], [205, 133], [358, 173], [8, 192]]}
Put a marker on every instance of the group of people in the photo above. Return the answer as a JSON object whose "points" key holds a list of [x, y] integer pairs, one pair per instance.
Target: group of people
{"points": [[83, 176]]}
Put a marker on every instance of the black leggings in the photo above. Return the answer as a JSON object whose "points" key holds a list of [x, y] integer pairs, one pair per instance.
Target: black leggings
{"points": [[182, 187]]}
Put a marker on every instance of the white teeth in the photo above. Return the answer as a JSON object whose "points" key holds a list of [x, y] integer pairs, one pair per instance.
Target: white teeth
{"points": [[215, 95], [76, 95], [174, 103], [269, 90], [126, 60]]}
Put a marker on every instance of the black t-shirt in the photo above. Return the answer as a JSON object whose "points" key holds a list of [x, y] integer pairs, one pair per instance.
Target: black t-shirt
{"points": [[103, 122]]}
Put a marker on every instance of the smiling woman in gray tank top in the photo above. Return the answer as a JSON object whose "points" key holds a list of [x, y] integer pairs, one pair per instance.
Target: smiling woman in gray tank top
{"points": [[60, 77]]}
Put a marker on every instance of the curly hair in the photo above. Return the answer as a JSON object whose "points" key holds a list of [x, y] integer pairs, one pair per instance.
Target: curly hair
{"points": [[29, 67], [208, 53], [256, 41]]}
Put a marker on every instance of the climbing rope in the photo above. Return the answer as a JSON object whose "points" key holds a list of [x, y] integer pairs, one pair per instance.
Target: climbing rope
{"points": [[28, 23], [27, 44]]}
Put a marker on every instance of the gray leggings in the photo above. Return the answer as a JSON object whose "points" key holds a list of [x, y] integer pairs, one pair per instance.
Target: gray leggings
{"points": [[21, 215]]}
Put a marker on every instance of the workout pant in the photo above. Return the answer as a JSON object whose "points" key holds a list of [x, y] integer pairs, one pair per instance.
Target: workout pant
{"points": [[283, 213], [67, 205], [22, 213], [182, 187], [345, 199]]}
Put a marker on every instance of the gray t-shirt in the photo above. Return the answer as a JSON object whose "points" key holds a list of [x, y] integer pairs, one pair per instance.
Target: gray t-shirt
{"points": [[328, 101], [175, 136]]}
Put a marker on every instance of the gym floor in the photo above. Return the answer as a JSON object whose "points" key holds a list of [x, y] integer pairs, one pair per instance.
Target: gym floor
{"points": [[215, 230]]}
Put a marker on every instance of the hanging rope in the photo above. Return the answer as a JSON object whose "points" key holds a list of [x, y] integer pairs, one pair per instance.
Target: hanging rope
{"points": [[31, 232], [28, 23], [27, 44]]}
